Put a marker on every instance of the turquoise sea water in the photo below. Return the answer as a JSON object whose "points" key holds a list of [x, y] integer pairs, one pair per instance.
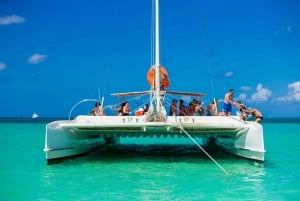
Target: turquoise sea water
{"points": [[148, 173]]}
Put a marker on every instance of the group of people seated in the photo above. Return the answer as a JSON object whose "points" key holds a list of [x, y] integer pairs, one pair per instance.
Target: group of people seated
{"points": [[123, 110], [195, 108]]}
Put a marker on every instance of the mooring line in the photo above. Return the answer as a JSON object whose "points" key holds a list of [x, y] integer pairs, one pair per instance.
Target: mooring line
{"points": [[202, 149]]}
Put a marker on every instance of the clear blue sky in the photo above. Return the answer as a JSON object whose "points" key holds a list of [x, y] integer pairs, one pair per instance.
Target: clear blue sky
{"points": [[54, 53]]}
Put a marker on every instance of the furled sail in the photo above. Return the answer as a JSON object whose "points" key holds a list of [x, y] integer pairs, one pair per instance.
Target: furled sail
{"points": [[163, 77]]}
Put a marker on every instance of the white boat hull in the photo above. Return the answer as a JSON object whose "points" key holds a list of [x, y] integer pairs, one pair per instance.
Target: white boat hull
{"points": [[61, 144], [88, 133], [248, 144]]}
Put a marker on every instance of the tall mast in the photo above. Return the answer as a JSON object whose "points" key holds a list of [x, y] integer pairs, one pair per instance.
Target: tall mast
{"points": [[157, 81]]}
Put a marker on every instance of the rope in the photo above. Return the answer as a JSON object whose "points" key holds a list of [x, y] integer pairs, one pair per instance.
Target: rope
{"points": [[202, 149]]}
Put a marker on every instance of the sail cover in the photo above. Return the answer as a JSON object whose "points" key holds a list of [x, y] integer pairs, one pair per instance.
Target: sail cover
{"points": [[163, 77]]}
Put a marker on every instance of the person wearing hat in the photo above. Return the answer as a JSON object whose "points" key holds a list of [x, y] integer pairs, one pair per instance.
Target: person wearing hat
{"points": [[173, 108]]}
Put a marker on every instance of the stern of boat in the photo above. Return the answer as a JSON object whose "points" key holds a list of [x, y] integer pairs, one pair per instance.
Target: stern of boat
{"points": [[247, 143], [62, 143]]}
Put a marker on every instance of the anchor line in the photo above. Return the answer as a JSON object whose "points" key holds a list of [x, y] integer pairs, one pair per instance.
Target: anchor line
{"points": [[202, 149]]}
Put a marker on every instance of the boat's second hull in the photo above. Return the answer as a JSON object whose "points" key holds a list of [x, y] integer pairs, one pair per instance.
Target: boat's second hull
{"points": [[54, 155], [60, 144]]}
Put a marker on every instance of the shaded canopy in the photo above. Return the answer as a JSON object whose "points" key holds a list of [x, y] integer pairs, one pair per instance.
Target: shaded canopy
{"points": [[163, 92]]}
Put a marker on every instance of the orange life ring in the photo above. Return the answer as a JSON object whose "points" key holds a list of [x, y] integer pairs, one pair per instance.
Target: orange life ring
{"points": [[164, 80]]}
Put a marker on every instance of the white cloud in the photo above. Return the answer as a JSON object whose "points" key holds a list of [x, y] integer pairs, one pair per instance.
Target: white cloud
{"points": [[242, 97], [293, 93], [37, 58], [261, 95], [228, 74], [295, 90], [2, 66], [282, 99], [12, 19], [245, 88]]}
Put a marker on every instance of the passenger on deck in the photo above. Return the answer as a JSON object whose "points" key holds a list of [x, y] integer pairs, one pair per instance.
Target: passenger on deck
{"points": [[124, 109], [98, 110], [256, 114], [191, 109], [173, 108], [228, 100], [199, 110], [243, 110], [182, 109], [211, 109], [146, 107]]}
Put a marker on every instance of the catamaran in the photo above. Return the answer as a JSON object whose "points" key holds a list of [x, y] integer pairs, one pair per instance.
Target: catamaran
{"points": [[86, 133]]}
